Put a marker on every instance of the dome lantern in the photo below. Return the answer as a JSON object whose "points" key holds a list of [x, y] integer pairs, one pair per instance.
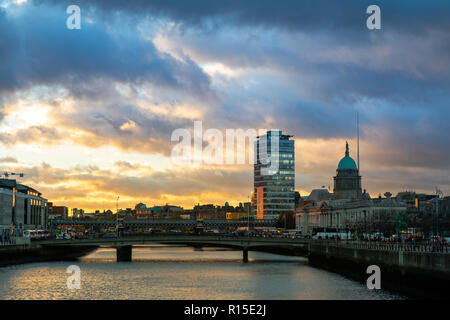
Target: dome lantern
{"points": [[347, 162]]}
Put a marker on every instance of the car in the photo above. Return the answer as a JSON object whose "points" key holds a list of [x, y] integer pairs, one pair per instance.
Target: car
{"points": [[110, 235]]}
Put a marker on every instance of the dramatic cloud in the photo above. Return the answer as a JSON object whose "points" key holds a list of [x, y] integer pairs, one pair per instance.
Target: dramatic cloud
{"points": [[8, 160], [88, 114], [408, 15], [37, 49], [95, 188]]}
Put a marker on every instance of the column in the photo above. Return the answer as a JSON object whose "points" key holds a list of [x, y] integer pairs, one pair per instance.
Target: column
{"points": [[124, 253], [245, 254]]}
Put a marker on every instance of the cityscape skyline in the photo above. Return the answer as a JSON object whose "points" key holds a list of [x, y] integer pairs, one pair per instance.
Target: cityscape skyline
{"points": [[87, 122], [232, 202]]}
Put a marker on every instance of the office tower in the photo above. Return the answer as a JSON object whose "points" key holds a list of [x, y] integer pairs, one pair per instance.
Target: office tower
{"points": [[274, 175]]}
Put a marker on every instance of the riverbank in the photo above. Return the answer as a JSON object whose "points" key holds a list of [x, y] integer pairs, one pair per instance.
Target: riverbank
{"points": [[404, 278], [20, 254], [419, 275]]}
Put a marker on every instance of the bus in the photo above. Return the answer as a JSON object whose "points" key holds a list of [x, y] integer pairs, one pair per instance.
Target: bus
{"points": [[36, 234], [292, 233], [330, 233]]}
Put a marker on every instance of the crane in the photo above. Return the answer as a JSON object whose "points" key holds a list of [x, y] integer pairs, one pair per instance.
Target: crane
{"points": [[7, 174]]}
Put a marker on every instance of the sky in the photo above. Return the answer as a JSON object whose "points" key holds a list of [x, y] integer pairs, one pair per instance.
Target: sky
{"points": [[87, 115]]}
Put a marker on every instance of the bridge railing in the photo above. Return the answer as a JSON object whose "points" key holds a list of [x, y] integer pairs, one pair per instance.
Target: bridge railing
{"points": [[178, 237], [380, 246], [13, 241], [211, 223]]}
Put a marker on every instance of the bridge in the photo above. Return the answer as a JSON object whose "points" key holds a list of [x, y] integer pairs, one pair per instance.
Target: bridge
{"points": [[124, 245], [171, 223]]}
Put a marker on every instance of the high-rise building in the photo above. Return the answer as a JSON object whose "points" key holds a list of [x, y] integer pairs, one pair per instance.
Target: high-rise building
{"points": [[274, 175]]}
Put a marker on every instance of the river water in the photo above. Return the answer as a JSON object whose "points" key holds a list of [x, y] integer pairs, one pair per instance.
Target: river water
{"points": [[177, 272]]}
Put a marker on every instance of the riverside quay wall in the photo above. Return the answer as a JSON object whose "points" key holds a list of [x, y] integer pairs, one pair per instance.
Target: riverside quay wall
{"points": [[27, 253], [417, 271]]}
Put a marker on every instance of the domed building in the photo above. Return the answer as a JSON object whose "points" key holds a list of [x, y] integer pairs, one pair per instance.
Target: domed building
{"points": [[348, 207], [347, 182]]}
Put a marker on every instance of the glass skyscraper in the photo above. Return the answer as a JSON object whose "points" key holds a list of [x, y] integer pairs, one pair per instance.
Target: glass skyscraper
{"points": [[274, 175]]}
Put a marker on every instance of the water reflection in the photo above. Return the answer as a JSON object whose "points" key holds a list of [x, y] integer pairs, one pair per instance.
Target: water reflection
{"points": [[163, 272]]}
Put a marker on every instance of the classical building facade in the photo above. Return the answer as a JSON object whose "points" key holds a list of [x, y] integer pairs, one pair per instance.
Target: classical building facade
{"points": [[348, 207], [367, 215]]}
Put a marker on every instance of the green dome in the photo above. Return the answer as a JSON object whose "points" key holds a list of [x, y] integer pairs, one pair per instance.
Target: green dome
{"points": [[347, 162]]}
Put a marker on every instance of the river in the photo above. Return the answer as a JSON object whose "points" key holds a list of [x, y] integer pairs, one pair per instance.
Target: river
{"points": [[178, 272]]}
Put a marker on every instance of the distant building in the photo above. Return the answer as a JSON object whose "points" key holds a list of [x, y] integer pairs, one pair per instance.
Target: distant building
{"points": [[57, 211], [416, 201], [247, 207], [107, 213], [77, 213], [89, 215], [209, 211], [298, 200], [21, 207], [97, 214], [320, 194], [142, 212], [236, 215], [166, 212], [128, 212], [274, 189], [427, 212]]}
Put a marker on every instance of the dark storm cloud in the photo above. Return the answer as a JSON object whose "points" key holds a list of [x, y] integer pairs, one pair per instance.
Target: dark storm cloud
{"points": [[37, 49], [389, 65], [409, 15], [418, 138]]}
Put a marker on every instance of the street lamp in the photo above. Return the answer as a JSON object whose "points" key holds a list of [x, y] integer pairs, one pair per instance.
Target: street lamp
{"points": [[438, 197], [248, 218], [437, 212], [117, 216]]}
